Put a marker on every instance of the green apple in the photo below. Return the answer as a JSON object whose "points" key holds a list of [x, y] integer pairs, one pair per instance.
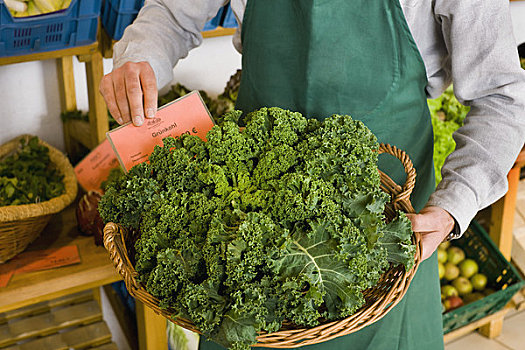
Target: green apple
{"points": [[448, 291], [444, 245], [441, 269], [455, 255], [442, 255], [462, 285], [479, 281], [468, 268], [451, 271]]}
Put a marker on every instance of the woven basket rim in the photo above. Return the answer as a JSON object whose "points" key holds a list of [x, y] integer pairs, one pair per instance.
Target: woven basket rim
{"points": [[115, 242], [52, 206]]}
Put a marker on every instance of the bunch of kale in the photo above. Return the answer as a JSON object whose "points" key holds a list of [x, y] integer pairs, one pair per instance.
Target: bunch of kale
{"points": [[281, 220], [28, 176]]}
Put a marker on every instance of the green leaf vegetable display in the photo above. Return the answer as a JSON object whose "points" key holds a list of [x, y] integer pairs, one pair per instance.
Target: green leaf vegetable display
{"points": [[280, 220], [27, 176], [447, 116]]}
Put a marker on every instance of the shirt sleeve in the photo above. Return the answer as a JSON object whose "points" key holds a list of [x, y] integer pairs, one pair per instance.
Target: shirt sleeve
{"points": [[164, 32], [485, 69]]}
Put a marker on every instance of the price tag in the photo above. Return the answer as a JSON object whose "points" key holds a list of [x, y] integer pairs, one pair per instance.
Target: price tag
{"points": [[36, 260], [5, 274], [95, 167], [45, 259], [188, 114]]}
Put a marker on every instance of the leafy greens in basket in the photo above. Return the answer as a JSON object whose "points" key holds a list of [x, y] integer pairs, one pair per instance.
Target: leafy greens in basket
{"points": [[281, 220]]}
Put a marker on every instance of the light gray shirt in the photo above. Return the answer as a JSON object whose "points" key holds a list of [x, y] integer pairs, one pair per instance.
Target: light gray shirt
{"points": [[467, 43]]}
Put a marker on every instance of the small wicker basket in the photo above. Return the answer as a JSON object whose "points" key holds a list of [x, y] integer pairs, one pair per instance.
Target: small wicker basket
{"points": [[379, 300], [22, 224]]}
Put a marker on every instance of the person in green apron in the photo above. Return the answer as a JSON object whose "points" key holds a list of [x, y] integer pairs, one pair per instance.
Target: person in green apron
{"points": [[324, 57], [356, 58]]}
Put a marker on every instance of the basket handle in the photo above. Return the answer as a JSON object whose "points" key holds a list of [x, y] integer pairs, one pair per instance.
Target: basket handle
{"points": [[114, 243], [401, 198]]}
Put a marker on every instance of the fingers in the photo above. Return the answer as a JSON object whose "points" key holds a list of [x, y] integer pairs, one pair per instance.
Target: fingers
{"points": [[429, 243], [149, 88], [107, 91], [119, 86], [431, 219], [130, 92], [434, 224], [134, 95]]}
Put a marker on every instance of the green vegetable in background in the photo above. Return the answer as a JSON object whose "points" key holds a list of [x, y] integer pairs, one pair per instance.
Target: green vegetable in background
{"points": [[28, 176], [114, 175], [224, 103], [282, 220], [447, 116]]}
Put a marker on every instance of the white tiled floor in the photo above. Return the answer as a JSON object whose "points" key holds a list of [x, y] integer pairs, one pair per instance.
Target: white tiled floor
{"points": [[475, 341], [513, 333]]}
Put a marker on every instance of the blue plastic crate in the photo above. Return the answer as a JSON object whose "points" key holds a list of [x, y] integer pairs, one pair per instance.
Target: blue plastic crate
{"points": [[229, 20], [74, 26], [127, 300], [118, 14], [215, 21]]}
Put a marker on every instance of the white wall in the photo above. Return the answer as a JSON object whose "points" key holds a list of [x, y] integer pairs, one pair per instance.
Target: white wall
{"points": [[29, 100], [30, 103]]}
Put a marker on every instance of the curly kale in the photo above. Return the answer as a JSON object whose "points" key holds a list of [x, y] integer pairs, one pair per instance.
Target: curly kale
{"points": [[279, 220], [28, 176]]}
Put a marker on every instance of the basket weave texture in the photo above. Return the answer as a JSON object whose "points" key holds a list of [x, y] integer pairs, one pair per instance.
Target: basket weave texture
{"points": [[379, 300], [22, 224]]}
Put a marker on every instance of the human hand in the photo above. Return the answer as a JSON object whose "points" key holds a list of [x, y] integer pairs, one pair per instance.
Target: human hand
{"points": [[434, 224], [130, 92]]}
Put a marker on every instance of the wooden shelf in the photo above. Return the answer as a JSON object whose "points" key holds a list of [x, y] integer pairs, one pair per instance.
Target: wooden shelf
{"points": [[74, 51], [96, 269], [107, 42], [475, 325], [219, 31]]}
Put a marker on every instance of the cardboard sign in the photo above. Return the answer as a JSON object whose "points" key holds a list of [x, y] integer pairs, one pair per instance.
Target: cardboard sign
{"points": [[37, 260], [188, 114], [95, 167]]}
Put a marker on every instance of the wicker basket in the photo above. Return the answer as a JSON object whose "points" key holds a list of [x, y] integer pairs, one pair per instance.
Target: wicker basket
{"points": [[379, 299], [21, 224]]}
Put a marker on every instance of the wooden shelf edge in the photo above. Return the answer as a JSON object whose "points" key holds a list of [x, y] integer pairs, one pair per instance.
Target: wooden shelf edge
{"points": [[220, 31], [72, 51], [106, 43], [450, 336]]}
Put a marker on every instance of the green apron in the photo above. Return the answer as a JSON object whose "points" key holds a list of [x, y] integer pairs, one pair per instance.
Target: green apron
{"points": [[355, 57]]}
